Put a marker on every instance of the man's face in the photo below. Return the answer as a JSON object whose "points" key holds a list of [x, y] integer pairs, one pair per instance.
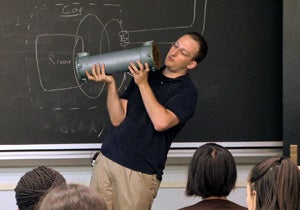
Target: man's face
{"points": [[181, 54]]}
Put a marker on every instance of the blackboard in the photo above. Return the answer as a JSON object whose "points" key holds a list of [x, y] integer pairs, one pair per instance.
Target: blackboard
{"points": [[291, 76], [42, 101]]}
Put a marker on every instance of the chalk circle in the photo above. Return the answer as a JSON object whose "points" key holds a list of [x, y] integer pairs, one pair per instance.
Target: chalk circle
{"points": [[97, 38]]}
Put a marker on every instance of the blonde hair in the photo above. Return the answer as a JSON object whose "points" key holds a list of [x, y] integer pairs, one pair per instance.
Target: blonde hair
{"points": [[72, 196]]}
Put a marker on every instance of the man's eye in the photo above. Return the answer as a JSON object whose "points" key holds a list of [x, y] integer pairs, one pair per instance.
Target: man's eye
{"points": [[184, 53], [175, 45]]}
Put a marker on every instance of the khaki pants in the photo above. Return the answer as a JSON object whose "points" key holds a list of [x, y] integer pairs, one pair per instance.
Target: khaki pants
{"points": [[123, 188]]}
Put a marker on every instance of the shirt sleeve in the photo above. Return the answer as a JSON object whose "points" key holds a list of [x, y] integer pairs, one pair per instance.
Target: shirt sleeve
{"points": [[183, 103]]}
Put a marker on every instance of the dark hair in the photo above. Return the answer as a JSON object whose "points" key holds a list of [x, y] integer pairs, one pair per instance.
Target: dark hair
{"points": [[202, 52], [277, 184], [34, 184], [72, 196], [212, 172]]}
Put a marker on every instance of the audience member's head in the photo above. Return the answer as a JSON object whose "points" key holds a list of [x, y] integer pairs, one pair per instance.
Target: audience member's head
{"points": [[274, 184], [72, 196], [35, 184], [212, 172]]}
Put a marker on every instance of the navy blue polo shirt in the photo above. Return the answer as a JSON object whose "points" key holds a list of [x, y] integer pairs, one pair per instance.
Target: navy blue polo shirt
{"points": [[135, 143]]}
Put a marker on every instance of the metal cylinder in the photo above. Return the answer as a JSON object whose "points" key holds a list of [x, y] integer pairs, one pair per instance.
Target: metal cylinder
{"points": [[118, 61]]}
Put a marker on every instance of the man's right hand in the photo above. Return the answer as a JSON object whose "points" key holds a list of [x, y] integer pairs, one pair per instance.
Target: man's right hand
{"points": [[98, 74]]}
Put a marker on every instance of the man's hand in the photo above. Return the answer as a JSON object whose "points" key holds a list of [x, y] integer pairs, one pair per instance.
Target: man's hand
{"points": [[139, 72], [98, 74]]}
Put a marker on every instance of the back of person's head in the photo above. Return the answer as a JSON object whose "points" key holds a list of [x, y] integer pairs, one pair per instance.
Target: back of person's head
{"points": [[202, 52], [212, 172], [72, 196], [34, 184], [274, 184]]}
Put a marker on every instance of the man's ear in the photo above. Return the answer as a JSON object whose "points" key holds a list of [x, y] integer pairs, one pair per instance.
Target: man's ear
{"points": [[192, 65]]}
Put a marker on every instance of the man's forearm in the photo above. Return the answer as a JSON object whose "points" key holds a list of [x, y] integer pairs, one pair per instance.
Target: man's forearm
{"points": [[116, 108], [161, 117]]}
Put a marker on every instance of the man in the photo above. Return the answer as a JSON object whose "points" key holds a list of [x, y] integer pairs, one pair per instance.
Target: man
{"points": [[146, 119]]}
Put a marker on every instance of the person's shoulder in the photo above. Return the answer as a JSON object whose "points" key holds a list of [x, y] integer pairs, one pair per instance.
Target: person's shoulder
{"points": [[236, 206], [222, 204], [188, 208], [214, 204], [196, 206]]}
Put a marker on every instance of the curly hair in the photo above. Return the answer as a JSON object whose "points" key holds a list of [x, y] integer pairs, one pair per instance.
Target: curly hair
{"points": [[34, 184]]}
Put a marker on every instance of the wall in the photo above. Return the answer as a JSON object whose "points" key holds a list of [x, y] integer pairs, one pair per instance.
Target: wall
{"points": [[77, 169]]}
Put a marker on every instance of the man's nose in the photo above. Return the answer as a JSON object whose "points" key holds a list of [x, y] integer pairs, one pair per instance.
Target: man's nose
{"points": [[175, 52]]}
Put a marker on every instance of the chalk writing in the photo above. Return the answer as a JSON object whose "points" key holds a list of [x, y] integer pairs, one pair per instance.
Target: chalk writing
{"points": [[70, 10], [58, 61]]}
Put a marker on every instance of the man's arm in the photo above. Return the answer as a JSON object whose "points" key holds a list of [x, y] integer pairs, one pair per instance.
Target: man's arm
{"points": [[116, 106], [161, 118]]}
